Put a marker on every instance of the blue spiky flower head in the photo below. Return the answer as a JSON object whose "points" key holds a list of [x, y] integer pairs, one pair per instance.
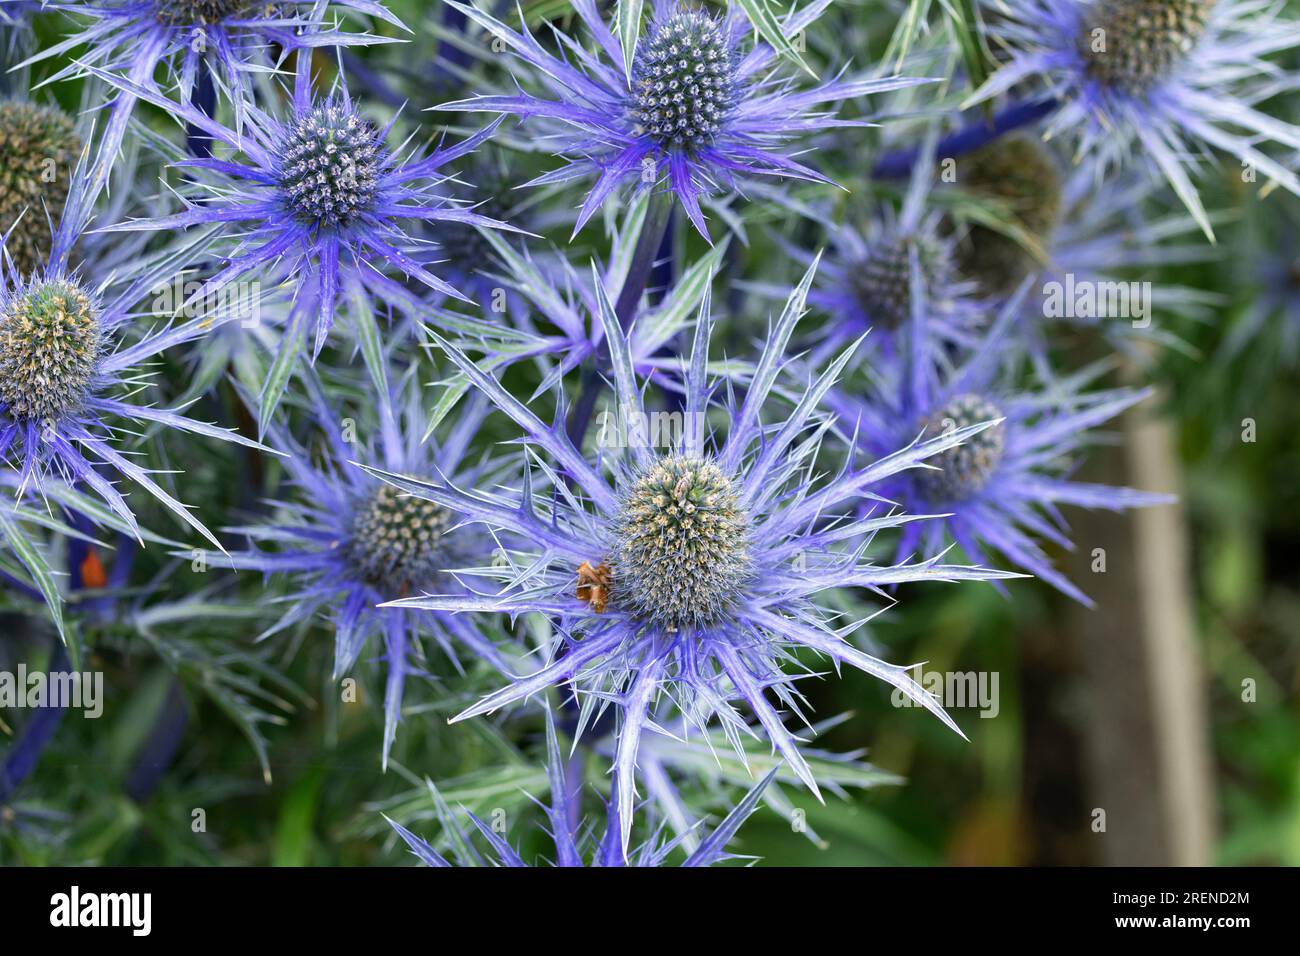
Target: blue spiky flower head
{"points": [[1000, 491], [231, 38], [344, 542], [70, 364], [888, 270], [689, 570], [1174, 77], [317, 202], [50, 347], [39, 146], [687, 110]]}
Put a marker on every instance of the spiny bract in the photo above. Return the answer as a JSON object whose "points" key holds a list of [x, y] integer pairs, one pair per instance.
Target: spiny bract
{"points": [[683, 80], [49, 344], [681, 554], [1132, 44], [396, 542], [966, 468], [38, 148], [330, 166]]}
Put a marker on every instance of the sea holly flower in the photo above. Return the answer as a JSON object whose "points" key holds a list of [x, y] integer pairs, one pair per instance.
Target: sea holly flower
{"points": [[204, 44], [1174, 77], [574, 841], [39, 148], [695, 112], [315, 199], [347, 542], [69, 370], [1088, 253], [900, 268], [229, 40], [1000, 492], [689, 571]]}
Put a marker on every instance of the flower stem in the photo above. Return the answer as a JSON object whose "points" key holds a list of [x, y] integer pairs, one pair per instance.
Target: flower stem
{"points": [[898, 164], [648, 243]]}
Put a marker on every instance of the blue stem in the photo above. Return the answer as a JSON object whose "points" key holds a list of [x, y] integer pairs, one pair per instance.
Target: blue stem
{"points": [[898, 164], [197, 142], [36, 735]]}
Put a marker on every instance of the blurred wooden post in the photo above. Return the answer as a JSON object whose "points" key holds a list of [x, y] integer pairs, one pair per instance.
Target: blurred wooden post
{"points": [[1147, 728]]}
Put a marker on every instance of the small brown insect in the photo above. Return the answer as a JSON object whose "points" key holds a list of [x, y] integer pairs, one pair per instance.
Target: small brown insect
{"points": [[593, 585]]}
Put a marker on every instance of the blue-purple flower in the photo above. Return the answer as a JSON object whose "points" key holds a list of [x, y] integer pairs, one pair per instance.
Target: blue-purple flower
{"points": [[1178, 78], [319, 202], [347, 542], [900, 269], [680, 573], [695, 113], [69, 366], [1000, 492]]}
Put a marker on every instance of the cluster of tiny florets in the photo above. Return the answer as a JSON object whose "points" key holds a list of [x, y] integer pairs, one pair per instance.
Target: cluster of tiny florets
{"points": [[1019, 172], [396, 543], [965, 469], [38, 149], [1131, 44], [882, 281], [49, 346], [330, 166], [176, 13], [683, 80], [681, 550]]}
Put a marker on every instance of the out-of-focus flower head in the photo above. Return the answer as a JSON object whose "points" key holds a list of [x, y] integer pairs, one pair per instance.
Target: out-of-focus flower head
{"points": [[687, 110], [901, 269], [1268, 270], [1091, 253], [39, 148], [687, 568], [1001, 491], [1176, 78]]}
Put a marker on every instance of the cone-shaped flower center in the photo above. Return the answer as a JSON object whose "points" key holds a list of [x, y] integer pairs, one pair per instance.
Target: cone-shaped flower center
{"points": [[396, 543], [966, 468], [882, 281], [681, 545], [49, 345], [684, 80], [38, 150], [330, 167], [1131, 44], [1018, 172], [177, 13]]}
